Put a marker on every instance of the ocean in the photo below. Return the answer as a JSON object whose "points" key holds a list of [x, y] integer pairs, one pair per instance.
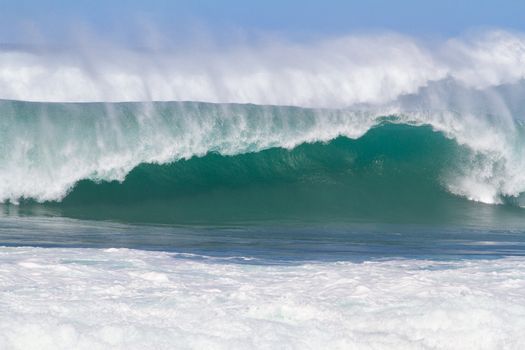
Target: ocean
{"points": [[210, 225], [365, 191]]}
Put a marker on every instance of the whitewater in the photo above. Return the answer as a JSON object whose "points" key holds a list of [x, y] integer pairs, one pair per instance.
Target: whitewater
{"points": [[128, 299], [364, 192]]}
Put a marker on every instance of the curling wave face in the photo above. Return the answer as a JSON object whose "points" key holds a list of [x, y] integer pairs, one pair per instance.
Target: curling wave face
{"points": [[248, 157]]}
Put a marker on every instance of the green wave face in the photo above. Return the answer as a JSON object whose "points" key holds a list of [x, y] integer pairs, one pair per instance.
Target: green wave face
{"points": [[394, 173], [201, 163]]}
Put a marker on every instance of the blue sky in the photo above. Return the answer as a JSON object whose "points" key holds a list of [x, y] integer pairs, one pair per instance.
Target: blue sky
{"points": [[294, 18]]}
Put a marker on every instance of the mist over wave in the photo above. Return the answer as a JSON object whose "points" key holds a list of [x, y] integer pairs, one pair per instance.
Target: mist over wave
{"points": [[337, 72]]}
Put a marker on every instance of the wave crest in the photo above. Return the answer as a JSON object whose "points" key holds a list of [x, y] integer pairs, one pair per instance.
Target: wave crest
{"points": [[48, 148]]}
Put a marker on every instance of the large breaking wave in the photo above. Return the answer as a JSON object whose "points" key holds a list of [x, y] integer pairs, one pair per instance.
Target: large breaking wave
{"points": [[377, 117], [47, 148]]}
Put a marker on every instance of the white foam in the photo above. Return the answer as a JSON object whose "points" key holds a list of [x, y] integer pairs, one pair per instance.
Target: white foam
{"points": [[129, 299]]}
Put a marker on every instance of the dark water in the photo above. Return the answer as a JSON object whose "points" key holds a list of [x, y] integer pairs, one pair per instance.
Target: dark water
{"points": [[277, 243]]}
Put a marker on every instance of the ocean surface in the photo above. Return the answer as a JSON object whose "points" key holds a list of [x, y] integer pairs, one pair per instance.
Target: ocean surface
{"points": [[198, 225], [360, 192]]}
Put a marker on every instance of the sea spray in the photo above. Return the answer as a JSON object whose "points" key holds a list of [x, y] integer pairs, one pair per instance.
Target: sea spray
{"points": [[330, 72]]}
